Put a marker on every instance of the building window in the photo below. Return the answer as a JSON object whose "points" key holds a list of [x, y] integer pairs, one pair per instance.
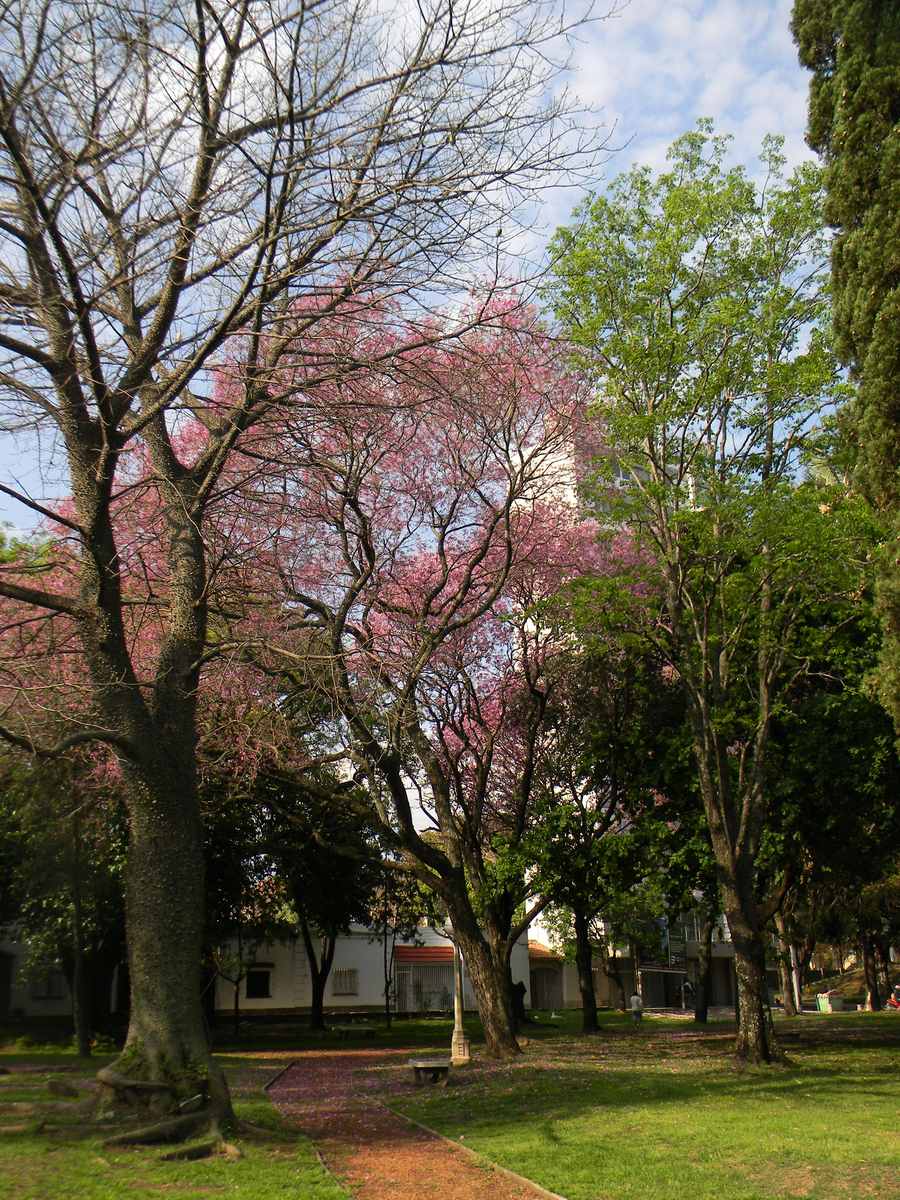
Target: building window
{"points": [[345, 982], [259, 983]]}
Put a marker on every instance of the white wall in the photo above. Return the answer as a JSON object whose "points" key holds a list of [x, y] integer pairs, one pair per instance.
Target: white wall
{"points": [[25, 996], [290, 984]]}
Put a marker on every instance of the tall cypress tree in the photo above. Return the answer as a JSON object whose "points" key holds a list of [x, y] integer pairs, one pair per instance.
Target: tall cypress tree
{"points": [[853, 49]]}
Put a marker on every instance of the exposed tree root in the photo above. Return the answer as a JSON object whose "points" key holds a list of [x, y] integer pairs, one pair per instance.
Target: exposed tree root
{"points": [[190, 1153], [175, 1129], [109, 1078], [215, 1146]]}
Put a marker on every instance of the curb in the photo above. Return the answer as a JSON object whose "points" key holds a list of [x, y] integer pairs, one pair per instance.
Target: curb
{"points": [[474, 1155]]}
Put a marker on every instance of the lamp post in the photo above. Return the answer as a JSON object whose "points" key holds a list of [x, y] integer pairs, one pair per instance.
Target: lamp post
{"points": [[460, 1051]]}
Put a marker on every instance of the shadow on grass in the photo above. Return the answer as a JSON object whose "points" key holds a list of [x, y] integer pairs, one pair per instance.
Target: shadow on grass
{"points": [[836, 1069]]}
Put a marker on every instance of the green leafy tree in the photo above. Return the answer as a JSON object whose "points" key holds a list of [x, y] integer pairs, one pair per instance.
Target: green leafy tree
{"points": [[246, 905], [601, 760], [398, 906], [852, 48], [835, 780], [62, 854], [697, 301], [324, 848]]}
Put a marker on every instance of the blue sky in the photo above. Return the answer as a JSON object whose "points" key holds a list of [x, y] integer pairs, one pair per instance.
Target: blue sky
{"points": [[658, 65], [651, 68]]}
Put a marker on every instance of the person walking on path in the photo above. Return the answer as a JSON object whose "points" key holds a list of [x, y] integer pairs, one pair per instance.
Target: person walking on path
{"points": [[637, 1008]]}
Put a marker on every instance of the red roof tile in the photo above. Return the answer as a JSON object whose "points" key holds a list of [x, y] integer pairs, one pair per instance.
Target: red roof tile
{"points": [[423, 954], [539, 950]]}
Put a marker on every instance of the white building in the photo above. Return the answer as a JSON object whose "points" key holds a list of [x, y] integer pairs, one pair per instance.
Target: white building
{"points": [[279, 983], [42, 995], [661, 979], [279, 980]]}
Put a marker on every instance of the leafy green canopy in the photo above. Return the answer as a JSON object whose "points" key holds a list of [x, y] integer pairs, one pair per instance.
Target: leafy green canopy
{"points": [[697, 300]]}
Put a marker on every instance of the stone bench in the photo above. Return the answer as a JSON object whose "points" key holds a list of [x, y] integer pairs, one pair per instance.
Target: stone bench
{"points": [[430, 1070], [348, 1031]]}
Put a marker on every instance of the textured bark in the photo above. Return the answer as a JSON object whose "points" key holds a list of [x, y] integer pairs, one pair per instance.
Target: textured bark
{"points": [[584, 963], [612, 971], [487, 963], [785, 975], [319, 970], [704, 972], [735, 824], [785, 983], [490, 982], [756, 1042], [870, 972], [164, 898]]}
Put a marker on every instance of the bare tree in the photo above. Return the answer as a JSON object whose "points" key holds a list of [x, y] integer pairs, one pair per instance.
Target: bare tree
{"points": [[175, 177]]}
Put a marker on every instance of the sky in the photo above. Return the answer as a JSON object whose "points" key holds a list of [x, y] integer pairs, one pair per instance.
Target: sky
{"points": [[651, 68], [657, 65]]}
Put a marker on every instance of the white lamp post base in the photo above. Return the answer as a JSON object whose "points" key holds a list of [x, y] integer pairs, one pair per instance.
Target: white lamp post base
{"points": [[460, 1050]]}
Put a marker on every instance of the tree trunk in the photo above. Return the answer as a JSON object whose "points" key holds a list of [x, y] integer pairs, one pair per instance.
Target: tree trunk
{"points": [[636, 970], [584, 963], [164, 897], [317, 1008], [882, 950], [785, 974], [100, 984], [486, 957], [756, 1041], [236, 1010], [319, 970], [388, 968], [735, 867], [612, 972], [490, 982], [870, 971], [704, 971]]}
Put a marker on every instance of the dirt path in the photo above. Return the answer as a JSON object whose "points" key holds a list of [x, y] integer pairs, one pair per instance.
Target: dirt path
{"points": [[376, 1154]]}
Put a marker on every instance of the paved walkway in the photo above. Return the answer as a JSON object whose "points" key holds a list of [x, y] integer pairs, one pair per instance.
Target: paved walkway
{"points": [[375, 1153]]}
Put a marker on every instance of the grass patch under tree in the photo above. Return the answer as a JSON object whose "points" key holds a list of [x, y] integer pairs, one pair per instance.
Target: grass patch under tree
{"points": [[657, 1113], [61, 1163]]}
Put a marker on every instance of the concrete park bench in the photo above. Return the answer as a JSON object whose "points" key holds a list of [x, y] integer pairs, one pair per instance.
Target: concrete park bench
{"points": [[430, 1070], [347, 1031]]}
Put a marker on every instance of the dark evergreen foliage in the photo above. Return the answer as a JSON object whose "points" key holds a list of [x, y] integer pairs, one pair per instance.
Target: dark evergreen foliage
{"points": [[853, 49]]}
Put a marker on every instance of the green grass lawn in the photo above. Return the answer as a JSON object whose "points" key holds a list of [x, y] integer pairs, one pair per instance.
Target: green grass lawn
{"points": [[657, 1113], [661, 1114], [54, 1166]]}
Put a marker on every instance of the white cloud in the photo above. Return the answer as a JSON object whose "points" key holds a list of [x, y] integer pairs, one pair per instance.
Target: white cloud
{"points": [[657, 66]]}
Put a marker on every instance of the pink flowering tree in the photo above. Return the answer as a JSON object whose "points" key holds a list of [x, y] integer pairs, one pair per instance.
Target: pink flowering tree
{"points": [[438, 501], [175, 179]]}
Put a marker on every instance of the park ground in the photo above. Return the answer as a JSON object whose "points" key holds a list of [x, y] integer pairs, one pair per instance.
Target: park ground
{"points": [[657, 1113]]}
